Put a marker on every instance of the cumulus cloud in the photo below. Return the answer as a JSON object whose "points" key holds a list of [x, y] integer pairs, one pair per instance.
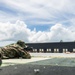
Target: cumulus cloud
{"points": [[9, 31], [60, 32], [20, 31]]}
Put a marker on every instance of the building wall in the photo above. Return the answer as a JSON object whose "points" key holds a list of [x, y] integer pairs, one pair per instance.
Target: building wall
{"points": [[54, 47]]}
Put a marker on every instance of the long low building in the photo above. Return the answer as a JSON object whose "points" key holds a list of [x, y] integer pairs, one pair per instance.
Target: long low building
{"points": [[53, 47]]}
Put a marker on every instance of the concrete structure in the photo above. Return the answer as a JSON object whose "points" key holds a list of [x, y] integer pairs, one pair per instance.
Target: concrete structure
{"points": [[53, 47]]}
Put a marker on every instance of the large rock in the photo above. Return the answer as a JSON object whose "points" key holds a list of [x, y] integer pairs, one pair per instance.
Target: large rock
{"points": [[15, 50]]}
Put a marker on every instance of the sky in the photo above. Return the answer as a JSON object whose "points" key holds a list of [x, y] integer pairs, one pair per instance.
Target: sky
{"points": [[37, 20]]}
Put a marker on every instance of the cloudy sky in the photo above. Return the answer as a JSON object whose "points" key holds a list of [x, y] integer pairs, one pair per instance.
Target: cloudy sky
{"points": [[37, 20]]}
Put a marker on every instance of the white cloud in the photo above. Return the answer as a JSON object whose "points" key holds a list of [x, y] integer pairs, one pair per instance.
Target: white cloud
{"points": [[20, 31], [37, 12], [15, 31], [59, 32], [51, 10]]}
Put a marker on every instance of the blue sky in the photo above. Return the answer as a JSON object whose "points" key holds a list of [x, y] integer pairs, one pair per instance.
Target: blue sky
{"points": [[37, 21]]}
